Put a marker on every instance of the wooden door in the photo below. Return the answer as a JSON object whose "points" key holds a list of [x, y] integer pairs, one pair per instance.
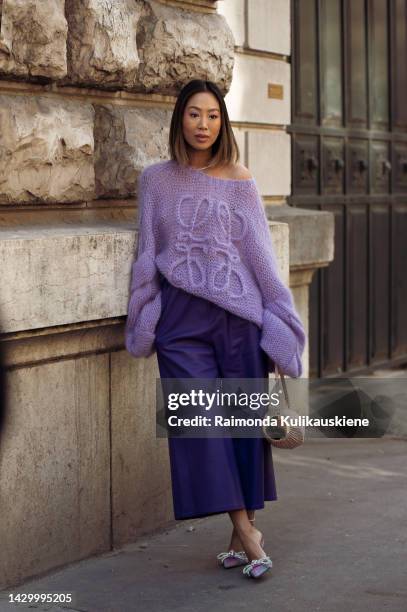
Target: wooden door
{"points": [[349, 156]]}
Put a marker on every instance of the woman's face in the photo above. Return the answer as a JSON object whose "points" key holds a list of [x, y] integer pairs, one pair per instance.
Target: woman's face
{"points": [[201, 118]]}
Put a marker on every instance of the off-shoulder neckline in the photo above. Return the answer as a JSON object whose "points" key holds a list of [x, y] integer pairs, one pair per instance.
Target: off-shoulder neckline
{"points": [[216, 178]]}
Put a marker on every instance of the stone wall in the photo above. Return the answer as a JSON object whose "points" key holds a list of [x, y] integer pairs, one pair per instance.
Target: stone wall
{"points": [[68, 136], [87, 89]]}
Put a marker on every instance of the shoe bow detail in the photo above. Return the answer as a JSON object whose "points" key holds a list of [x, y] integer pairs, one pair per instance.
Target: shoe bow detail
{"points": [[232, 558], [257, 567]]}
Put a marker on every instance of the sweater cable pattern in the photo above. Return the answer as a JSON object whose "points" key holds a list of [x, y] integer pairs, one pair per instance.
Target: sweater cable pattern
{"points": [[198, 245]]}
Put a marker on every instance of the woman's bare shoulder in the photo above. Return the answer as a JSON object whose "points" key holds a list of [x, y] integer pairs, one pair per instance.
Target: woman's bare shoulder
{"points": [[237, 172]]}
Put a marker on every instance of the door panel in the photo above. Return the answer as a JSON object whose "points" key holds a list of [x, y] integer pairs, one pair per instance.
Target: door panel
{"points": [[356, 69], [399, 281], [305, 104], [381, 166], [379, 64], [399, 69], [333, 155], [400, 167], [380, 282], [357, 285], [357, 166], [331, 63], [333, 301], [306, 167]]}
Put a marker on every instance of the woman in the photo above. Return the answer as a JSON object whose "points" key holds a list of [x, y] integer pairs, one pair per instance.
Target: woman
{"points": [[207, 297]]}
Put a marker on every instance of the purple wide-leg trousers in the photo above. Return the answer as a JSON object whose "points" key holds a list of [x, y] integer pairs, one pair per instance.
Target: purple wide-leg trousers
{"points": [[196, 338]]}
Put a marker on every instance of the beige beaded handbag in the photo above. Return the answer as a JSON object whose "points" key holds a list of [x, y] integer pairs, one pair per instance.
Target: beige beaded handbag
{"points": [[289, 436]]}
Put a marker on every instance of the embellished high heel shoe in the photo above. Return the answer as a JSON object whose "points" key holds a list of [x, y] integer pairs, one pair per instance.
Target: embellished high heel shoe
{"points": [[232, 559], [257, 567]]}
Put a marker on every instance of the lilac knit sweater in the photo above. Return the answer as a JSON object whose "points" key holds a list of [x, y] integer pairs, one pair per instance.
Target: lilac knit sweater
{"points": [[210, 237]]}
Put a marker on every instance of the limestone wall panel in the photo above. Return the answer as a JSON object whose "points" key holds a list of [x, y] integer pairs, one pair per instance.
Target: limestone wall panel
{"points": [[127, 140], [269, 25], [141, 485], [33, 37], [177, 45], [64, 274], [102, 47], [46, 150], [269, 155], [261, 90], [54, 460]]}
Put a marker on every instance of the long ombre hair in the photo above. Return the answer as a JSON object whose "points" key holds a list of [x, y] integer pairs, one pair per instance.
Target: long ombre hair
{"points": [[225, 149]]}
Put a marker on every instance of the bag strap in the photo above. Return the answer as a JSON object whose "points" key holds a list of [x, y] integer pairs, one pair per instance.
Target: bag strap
{"points": [[283, 383]]}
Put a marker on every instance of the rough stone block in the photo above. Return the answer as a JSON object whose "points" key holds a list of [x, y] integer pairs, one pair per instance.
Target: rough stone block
{"points": [[62, 274], [33, 37], [146, 46], [176, 45], [102, 47], [46, 150], [311, 235], [127, 140]]}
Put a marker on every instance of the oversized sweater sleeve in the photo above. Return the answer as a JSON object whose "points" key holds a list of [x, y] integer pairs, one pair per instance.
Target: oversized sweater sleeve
{"points": [[283, 336], [144, 306]]}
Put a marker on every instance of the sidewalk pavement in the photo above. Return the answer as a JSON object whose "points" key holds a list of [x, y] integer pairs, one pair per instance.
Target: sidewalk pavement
{"points": [[337, 536]]}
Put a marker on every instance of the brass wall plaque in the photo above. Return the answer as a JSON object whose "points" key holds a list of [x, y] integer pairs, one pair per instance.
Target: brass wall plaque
{"points": [[275, 90]]}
